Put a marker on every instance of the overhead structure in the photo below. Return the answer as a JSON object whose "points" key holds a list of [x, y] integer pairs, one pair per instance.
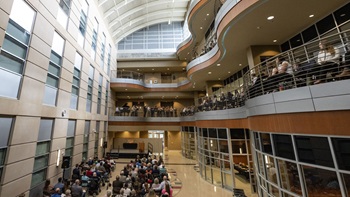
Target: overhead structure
{"points": [[124, 17]]}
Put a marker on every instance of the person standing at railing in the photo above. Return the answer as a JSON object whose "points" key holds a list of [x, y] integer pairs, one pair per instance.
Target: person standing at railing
{"points": [[327, 60]]}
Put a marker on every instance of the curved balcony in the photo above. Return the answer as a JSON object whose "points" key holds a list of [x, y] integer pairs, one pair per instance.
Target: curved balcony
{"points": [[135, 80]]}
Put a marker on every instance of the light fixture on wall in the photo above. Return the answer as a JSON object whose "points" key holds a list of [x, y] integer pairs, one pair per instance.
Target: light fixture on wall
{"points": [[101, 142], [58, 157]]}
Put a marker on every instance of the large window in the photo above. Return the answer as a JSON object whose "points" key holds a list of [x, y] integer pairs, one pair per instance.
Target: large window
{"points": [[14, 48], [42, 152], [109, 59], [90, 88], [82, 23], [5, 129], [70, 138], [86, 140], [54, 70], [63, 12], [76, 81], [97, 136], [94, 39], [99, 95], [106, 99], [103, 46]]}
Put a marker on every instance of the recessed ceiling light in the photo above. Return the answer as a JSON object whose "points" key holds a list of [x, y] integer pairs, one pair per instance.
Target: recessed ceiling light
{"points": [[201, 28], [229, 71], [208, 14], [126, 89], [342, 15], [167, 68], [138, 69], [270, 18], [152, 68], [258, 27], [311, 15], [219, 78], [209, 73], [239, 64], [218, 64], [274, 40], [185, 58]]}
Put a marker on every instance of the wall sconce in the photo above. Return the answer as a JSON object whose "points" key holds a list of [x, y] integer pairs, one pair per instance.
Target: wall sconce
{"points": [[101, 142], [58, 157]]}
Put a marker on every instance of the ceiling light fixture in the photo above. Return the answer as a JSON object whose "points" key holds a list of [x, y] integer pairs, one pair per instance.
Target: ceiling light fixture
{"points": [[126, 89], [229, 72], [311, 15], [168, 69], [201, 28], [239, 64], [274, 40], [218, 64], [270, 18], [208, 14], [209, 73]]}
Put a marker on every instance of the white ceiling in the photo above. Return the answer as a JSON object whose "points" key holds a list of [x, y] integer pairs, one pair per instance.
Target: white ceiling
{"points": [[124, 17]]}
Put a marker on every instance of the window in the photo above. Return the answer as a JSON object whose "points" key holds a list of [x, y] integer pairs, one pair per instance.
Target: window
{"points": [[106, 99], [343, 14], [314, 150], [42, 152], [103, 43], [76, 81], [90, 87], [325, 24], [86, 140], [309, 33], [342, 152], [82, 23], [5, 129], [63, 12], [94, 39], [99, 95], [283, 146], [14, 48], [54, 70], [109, 59], [70, 138], [97, 136]]}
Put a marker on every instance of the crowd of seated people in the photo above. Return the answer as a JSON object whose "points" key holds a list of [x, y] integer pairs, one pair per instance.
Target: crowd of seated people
{"points": [[143, 177], [328, 65], [224, 101], [161, 111], [188, 111], [87, 179]]}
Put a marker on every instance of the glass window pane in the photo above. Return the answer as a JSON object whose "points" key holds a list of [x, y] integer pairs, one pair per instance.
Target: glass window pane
{"points": [[18, 32], [222, 133], [74, 102], [9, 83], [343, 14], [266, 142], [237, 133], [87, 127], [321, 182], [57, 44], [77, 61], [18, 8], [71, 128], [76, 73], [314, 150], [38, 177], [55, 58], [283, 146], [45, 129], [75, 90], [239, 147], [76, 82], [5, 128], [50, 95], [289, 176], [342, 152], [70, 142], [41, 162], [14, 47], [2, 156], [11, 63], [42, 148], [52, 81], [325, 24], [68, 152], [53, 69]]}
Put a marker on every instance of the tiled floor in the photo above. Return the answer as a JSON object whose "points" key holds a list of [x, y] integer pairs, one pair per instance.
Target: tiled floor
{"points": [[186, 181]]}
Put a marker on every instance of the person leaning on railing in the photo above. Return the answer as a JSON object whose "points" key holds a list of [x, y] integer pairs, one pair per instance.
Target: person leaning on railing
{"points": [[346, 68]]}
